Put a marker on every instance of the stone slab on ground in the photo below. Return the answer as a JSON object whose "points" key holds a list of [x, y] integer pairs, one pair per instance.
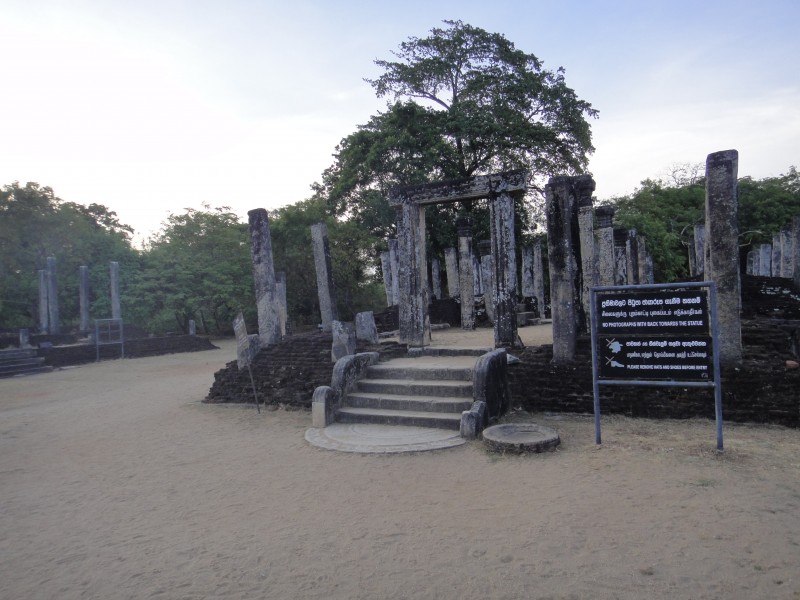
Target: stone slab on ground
{"points": [[520, 438], [381, 439]]}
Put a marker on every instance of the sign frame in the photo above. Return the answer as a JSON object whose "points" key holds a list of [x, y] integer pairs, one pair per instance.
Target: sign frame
{"points": [[713, 325]]}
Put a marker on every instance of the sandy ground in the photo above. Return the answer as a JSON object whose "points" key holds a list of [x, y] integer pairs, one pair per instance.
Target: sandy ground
{"points": [[116, 482]]}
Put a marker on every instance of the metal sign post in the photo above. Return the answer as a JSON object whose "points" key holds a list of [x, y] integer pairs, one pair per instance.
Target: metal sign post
{"points": [[243, 355], [662, 335]]}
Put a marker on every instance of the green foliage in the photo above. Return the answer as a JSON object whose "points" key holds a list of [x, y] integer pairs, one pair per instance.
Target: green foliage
{"points": [[35, 224], [665, 212], [197, 267], [464, 102], [352, 250]]}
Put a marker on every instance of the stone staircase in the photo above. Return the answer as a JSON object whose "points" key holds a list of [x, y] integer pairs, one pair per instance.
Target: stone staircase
{"points": [[15, 362], [430, 388]]}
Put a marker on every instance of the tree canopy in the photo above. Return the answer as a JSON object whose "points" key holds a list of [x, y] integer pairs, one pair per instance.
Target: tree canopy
{"points": [[463, 102]]}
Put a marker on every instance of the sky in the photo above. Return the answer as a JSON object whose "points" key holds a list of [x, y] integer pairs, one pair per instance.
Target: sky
{"points": [[153, 106]]}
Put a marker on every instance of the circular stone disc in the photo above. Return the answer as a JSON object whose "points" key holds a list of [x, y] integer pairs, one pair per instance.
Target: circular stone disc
{"points": [[520, 437]]}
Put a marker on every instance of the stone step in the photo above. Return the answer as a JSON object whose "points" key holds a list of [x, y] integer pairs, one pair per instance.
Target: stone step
{"points": [[400, 417], [16, 353], [21, 361], [452, 351], [403, 402], [390, 371], [417, 387], [28, 370]]}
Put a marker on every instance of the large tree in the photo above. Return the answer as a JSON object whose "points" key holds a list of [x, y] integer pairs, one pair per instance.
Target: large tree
{"points": [[463, 102]]}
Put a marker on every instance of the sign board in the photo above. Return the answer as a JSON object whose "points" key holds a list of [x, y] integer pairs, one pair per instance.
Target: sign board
{"points": [[243, 354], [655, 335]]}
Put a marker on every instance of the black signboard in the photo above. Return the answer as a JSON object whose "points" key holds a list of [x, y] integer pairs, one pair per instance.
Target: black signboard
{"points": [[661, 334]]}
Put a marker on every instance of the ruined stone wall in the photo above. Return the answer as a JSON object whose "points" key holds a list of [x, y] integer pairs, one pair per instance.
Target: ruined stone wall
{"points": [[761, 390]]}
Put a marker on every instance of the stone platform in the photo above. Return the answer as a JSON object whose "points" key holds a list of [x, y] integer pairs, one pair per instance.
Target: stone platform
{"points": [[381, 439]]}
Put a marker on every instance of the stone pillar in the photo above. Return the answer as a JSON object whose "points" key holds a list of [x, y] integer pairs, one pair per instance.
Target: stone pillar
{"points": [[527, 272], [588, 266], [322, 264], [620, 256], [436, 278], [283, 308], [269, 326], [538, 276], [83, 297], [477, 277], [344, 340], [192, 327], [504, 253], [648, 268], [394, 262], [44, 310], [786, 253], [692, 259], [451, 266], [604, 243], [487, 276], [765, 260], [777, 259], [24, 339], [756, 260], [52, 296], [750, 265], [700, 248], [386, 268], [365, 327], [116, 307], [564, 300], [796, 250], [465, 272], [413, 275], [632, 258], [723, 250], [641, 262]]}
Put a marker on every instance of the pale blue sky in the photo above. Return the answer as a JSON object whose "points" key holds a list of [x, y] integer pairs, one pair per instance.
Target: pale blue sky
{"points": [[152, 106]]}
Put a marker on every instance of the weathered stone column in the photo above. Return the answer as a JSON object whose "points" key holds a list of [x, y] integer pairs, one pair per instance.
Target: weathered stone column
{"points": [[648, 269], [451, 266], [52, 296], [192, 327], [787, 267], [564, 300], [83, 298], [365, 327], [765, 260], [412, 275], [24, 339], [527, 271], [504, 253], [44, 309], [394, 263], [632, 258], [436, 278], [796, 250], [283, 308], [465, 272], [322, 264], [477, 277], [538, 277], [116, 307], [621, 256], [269, 326], [588, 266], [604, 243], [750, 264], [722, 211], [777, 258], [700, 248], [756, 260], [386, 269], [641, 262], [487, 275]]}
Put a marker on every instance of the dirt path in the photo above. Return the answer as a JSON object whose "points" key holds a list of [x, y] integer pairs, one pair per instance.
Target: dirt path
{"points": [[116, 482]]}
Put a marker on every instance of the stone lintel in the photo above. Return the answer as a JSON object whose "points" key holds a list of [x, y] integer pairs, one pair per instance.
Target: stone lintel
{"points": [[471, 188]]}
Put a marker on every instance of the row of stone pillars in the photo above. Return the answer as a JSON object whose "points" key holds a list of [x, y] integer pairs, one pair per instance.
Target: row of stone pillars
{"points": [[581, 258], [779, 259], [49, 318]]}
